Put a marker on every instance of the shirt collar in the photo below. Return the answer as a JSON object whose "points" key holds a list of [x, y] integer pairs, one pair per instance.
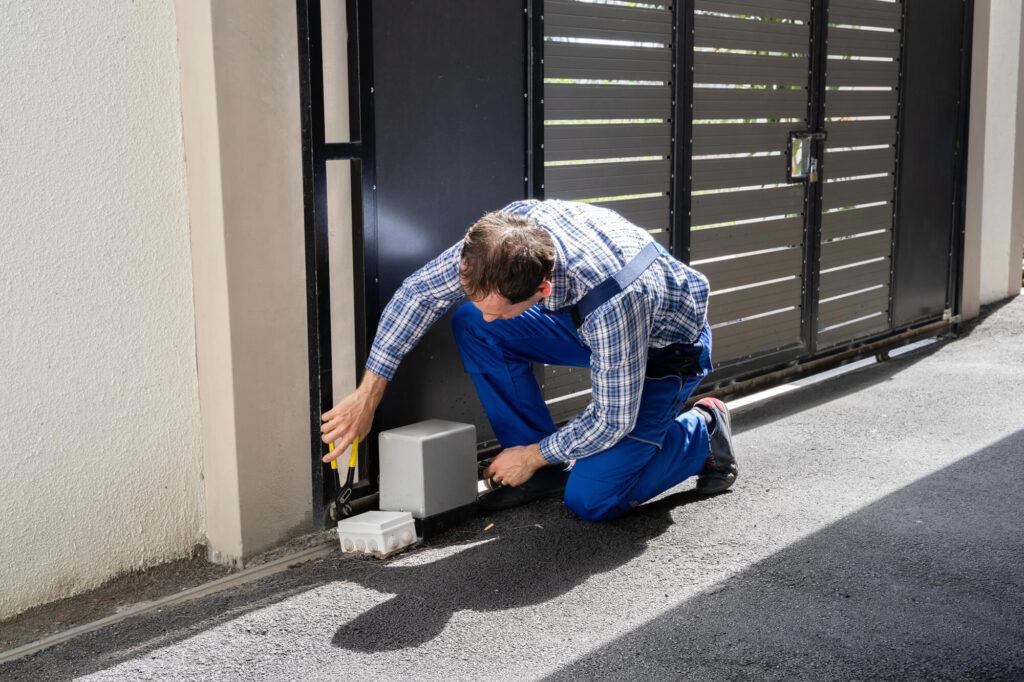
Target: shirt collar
{"points": [[560, 292]]}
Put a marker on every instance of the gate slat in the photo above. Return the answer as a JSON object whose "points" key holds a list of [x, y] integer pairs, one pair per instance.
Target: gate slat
{"points": [[846, 251], [730, 103], [588, 102], [570, 142], [708, 209], [723, 241], [853, 192], [862, 74], [778, 9], [607, 179], [855, 42], [744, 34], [849, 332], [852, 307], [717, 67], [741, 172], [849, 103], [565, 18], [851, 279], [865, 13], [860, 133], [650, 213], [755, 336], [610, 62], [739, 138], [745, 270], [556, 379], [864, 162], [735, 305], [853, 221]]}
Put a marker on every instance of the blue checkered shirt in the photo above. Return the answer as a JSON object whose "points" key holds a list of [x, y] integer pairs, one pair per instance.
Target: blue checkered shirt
{"points": [[666, 304]]}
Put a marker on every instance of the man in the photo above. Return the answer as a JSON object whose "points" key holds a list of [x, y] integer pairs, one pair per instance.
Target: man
{"points": [[566, 283]]}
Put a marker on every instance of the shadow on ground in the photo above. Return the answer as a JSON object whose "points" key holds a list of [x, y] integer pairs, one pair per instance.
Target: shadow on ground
{"points": [[550, 555], [926, 583]]}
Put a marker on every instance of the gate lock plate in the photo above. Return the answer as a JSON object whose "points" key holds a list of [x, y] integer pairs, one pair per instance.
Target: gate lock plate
{"points": [[801, 158]]}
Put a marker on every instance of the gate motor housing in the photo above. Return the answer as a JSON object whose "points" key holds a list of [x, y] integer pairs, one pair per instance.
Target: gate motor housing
{"points": [[429, 469]]}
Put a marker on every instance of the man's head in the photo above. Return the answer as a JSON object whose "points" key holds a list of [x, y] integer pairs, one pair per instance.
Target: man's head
{"points": [[507, 263]]}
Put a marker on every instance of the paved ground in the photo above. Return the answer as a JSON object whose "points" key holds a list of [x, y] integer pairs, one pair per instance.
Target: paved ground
{"points": [[876, 531]]}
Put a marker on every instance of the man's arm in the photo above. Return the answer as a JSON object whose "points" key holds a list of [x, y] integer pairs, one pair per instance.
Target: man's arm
{"points": [[422, 299], [618, 334]]}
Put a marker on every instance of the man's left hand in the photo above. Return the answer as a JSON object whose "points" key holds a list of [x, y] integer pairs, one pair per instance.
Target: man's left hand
{"points": [[515, 466]]}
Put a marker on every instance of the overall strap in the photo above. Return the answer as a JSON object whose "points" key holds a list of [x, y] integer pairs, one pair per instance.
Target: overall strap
{"points": [[615, 284]]}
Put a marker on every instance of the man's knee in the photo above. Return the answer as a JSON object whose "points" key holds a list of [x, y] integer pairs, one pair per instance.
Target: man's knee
{"points": [[593, 502]]}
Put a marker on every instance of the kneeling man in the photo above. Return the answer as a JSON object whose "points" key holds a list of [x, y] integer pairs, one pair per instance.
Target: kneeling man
{"points": [[565, 283]]}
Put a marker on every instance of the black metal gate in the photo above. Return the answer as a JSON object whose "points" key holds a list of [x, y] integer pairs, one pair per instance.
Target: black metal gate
{"points": [[689, 117]]}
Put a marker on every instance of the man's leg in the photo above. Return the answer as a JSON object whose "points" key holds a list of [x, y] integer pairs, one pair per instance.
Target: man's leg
{"points": [[497, 356], [664, 449]]}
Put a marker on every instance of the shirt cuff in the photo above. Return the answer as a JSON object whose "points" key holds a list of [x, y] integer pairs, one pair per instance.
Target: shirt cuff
{"points": [[549, 450], [381, 364]]}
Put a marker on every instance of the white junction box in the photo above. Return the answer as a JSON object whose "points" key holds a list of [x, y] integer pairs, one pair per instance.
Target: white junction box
{"points": [[428, 468], [378, 533]]}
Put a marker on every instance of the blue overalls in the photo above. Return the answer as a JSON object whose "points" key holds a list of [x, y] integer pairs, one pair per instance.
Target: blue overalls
{"points": [[663, 449]]}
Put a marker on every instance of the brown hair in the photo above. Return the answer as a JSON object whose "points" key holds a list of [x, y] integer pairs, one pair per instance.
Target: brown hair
{"points": [[507, 254]]}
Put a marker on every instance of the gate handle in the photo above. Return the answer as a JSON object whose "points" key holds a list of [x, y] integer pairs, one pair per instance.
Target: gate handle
{"points": [[801, 160]]}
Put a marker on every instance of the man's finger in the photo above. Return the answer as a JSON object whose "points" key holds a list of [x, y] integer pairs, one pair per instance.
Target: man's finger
{"points": [[338, 450], [334, 435], [340, 446]]}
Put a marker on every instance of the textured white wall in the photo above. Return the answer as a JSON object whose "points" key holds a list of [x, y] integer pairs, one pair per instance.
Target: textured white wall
{"points": [[99, 414]]}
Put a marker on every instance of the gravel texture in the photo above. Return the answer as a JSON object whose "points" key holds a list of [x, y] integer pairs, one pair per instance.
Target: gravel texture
{"points": [[874, 532]]}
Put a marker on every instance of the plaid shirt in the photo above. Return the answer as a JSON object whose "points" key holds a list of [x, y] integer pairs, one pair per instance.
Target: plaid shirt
{"points": [[666, 304]]}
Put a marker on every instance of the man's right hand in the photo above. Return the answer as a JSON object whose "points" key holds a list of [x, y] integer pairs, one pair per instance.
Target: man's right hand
{"points": [[353, 415]]}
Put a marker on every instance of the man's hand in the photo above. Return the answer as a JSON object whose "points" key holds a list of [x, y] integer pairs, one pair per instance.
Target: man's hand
{"points": [[353, 415], [515, 466]]}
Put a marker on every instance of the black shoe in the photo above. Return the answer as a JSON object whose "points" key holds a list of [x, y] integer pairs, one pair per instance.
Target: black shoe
{"points": [[548, 481], [720, 470]]}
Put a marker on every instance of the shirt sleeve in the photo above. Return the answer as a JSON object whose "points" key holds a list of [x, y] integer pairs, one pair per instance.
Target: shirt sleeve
{"points": [[424, 297], [618, 334]]}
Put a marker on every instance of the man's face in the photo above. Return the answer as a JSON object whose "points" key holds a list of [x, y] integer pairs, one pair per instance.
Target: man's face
{"points": [[494, 306]]}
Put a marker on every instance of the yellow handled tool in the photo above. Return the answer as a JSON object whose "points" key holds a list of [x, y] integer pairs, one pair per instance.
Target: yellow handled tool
{"points": [[341, 508], [353, 458]]}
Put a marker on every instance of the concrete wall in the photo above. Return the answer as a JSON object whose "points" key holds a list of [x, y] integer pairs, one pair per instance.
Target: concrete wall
{"points": [[994, 230], [242, 128], [99, 417]]}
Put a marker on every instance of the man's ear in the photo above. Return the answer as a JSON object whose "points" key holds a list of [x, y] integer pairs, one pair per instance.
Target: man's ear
{"points": [[545, 288]]}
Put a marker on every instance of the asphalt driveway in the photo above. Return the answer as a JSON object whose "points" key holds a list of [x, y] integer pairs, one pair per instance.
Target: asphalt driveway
{"points": [[876, 531]]}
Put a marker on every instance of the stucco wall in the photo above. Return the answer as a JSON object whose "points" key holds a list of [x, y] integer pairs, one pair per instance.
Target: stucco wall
{"points": [[992, 258], [243, 146], [99, 414], [1000, 147]]}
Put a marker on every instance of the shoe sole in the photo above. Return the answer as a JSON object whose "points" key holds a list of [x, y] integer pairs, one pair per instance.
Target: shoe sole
{"points": [[718, 484]]}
